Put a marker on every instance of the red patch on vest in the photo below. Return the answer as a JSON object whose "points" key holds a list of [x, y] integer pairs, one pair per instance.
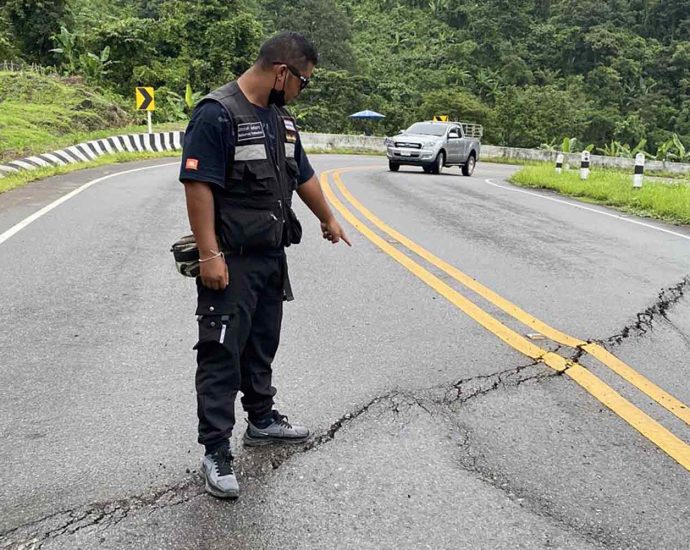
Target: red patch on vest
{"points": [[192, 164]]}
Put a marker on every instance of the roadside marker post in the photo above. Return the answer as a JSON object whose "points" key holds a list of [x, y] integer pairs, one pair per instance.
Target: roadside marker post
{"points": [[584, 165], [145, 101], [559, 163], [639, 171]]}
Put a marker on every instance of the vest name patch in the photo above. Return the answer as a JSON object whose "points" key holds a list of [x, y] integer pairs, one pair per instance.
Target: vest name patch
{"points": [[250, 130]]}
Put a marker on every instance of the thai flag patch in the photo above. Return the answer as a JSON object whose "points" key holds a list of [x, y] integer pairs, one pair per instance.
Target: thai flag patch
{"points": [[289, 125]]}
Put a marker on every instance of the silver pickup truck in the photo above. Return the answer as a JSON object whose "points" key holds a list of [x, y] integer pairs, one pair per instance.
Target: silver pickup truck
{"points": [[433, 145]]}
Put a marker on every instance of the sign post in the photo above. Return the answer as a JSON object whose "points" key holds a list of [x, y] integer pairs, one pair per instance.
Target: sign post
{"points": [[639, 171], [145, 101], [584, 165]]}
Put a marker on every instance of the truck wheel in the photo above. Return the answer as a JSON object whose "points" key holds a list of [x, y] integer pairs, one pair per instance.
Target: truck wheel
{"points": [[438, 165], [393, 166], [468, 167]]}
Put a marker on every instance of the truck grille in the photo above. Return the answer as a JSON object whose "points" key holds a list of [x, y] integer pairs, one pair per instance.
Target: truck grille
{"points": [[408, 145]]}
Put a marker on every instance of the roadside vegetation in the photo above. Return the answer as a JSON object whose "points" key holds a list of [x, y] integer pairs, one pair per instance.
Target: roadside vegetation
{"points": [[40, 113], [611, 74], [667, 201]]}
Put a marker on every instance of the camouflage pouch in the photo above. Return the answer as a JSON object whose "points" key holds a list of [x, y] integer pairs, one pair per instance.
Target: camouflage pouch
{"points": [[186, 254]]}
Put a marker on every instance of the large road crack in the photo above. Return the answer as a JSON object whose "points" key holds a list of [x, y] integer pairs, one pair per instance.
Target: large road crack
{"points": [[32, 536], [645, 320], [465, 389], [262, 461]]}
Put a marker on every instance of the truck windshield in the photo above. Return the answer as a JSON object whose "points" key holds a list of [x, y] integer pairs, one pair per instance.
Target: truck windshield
{"points": [[426, 129]]}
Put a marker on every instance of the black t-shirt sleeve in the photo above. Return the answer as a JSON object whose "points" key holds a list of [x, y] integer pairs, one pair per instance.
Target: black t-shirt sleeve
{"points": [[208, 144], [305, 170]]}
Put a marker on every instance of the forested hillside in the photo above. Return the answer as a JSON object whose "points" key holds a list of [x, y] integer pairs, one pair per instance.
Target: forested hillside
{"points": [[532, 71]]}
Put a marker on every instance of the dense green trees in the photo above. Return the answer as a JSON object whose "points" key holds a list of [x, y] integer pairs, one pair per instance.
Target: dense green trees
{"points": [[32, 23], [532, 71]]}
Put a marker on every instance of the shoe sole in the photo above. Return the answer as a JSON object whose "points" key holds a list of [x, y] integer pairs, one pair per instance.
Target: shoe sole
{"points": [[211, 490], [250, 441]]}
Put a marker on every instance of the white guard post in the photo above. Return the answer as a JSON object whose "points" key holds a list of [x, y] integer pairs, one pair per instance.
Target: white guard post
{"points": [[584, 165], [639, 171], [559, 163]]}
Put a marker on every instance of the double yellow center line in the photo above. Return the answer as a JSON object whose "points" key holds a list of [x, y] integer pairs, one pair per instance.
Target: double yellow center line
{"points": [[646, 425]]}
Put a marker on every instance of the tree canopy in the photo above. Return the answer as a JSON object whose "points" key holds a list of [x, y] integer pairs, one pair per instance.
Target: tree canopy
{"points": [[533, 71]]}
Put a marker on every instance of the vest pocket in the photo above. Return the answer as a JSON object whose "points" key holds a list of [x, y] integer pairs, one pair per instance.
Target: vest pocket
{"points": [[251, 178], [247, 229]]}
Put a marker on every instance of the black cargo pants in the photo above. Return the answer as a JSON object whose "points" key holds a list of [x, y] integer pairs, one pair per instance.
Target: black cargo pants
{"points": [[239, 332]]}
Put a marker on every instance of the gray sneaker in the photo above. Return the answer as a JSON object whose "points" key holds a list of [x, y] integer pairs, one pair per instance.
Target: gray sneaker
{"points": [[220, 475], [280, 431]]}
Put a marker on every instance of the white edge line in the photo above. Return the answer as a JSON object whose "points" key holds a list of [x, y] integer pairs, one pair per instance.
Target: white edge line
{"points": [[595, 210], [22, 224]]}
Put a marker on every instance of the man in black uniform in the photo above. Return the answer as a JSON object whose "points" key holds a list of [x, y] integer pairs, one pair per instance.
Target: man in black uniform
{"points": [[242, 160]]}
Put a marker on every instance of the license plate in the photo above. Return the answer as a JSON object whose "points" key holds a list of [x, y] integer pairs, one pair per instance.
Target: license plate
{"points": [[405, 154]]}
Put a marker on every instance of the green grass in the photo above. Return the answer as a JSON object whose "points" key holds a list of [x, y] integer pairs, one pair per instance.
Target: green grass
{"points": [[23, 177], [665, 201], [665, 174]]}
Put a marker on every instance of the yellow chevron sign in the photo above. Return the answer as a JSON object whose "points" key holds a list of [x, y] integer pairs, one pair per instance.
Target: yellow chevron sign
{"points": [[145, 99], [441, 118]]}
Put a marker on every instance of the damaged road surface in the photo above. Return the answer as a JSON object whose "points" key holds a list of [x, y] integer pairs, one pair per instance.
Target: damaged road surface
{"points": [[431, 431]]}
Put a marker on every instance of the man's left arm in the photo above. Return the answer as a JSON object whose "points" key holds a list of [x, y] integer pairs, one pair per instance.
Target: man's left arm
{"points": [[312, 195], [309, 190]]}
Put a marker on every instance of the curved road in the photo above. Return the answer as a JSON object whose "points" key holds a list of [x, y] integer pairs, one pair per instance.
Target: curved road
{"points": [[428, 362]]}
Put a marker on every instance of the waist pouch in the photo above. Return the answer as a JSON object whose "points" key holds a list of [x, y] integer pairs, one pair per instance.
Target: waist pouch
{"points": [[186, 254], [294, 228], [244, 229]]}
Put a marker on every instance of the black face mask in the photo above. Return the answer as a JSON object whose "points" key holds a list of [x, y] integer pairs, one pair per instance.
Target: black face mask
{"points": [[277, 97]]}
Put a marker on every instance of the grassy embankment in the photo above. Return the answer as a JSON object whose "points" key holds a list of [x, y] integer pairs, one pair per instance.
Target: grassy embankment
{"points": [[667, 201], [39, 114]]}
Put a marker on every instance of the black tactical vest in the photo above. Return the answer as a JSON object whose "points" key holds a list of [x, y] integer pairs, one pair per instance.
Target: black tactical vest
{"points": [[254, 212]]}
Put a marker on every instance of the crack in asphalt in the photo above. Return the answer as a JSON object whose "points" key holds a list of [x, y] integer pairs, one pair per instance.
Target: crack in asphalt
{"points": [[261, 462], [666, 299], [32, 536], [468, 388]]}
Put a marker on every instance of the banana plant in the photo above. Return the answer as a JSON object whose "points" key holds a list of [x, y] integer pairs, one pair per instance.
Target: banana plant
{"points": [[68, 48], [95, 67], [190, 98], [662, 152], [548, 146], [569, 145], [640, 148], [679, 152]]}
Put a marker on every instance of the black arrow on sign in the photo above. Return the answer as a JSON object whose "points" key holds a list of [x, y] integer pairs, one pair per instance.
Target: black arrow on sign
{"points": [[148, 98]]}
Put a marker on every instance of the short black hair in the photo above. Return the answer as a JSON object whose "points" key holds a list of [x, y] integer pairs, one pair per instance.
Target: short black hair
{"points": [[290, 48]]}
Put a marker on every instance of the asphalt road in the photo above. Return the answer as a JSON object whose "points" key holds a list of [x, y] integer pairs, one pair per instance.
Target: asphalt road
{"points": [[434, 428]]}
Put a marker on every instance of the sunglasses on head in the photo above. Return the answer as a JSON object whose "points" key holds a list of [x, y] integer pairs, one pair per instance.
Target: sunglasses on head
{"points": [[303, 80]]}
